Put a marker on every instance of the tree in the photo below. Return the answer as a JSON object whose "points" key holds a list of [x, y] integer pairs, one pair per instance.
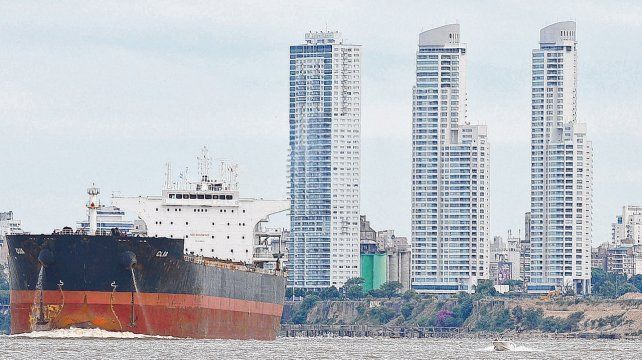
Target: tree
{"points": [[4, 284], [301, 315], [410, 295], [354, 292], [518, 313], [390, 289], [485, 288], [636, 281], [515, 285], [330, 293], [353, 288], [533, 318], [354, 281], [406, 310]]}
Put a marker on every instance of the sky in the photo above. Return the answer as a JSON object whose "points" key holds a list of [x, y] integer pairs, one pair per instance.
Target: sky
{"points": [[107, 92]]}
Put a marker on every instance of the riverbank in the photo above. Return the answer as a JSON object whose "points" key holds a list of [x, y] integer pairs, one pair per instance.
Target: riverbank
{"points": [[485, 317]]}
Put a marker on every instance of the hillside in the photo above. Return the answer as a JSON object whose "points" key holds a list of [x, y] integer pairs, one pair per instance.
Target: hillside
{"points": [[620, 317]]}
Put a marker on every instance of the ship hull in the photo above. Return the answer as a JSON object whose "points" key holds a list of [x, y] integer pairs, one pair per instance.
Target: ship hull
{"points": [[86, 281]]}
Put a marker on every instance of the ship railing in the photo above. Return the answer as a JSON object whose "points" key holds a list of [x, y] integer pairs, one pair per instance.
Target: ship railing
{"points": [[226, 264]]}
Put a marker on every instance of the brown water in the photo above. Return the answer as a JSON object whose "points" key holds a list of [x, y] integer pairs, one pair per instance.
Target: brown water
{"points": [[96, 344]]}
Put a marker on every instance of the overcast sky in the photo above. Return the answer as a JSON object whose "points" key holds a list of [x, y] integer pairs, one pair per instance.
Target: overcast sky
{"points": [[107, 92]]}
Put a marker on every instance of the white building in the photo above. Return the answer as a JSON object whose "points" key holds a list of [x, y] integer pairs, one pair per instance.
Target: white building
{"points": [[627, 227], [324, 161], [561, 169], [450, 172]]}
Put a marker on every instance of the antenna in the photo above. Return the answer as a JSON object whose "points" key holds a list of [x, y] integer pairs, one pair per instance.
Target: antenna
{"points": [[168, 176], [204, 162]]}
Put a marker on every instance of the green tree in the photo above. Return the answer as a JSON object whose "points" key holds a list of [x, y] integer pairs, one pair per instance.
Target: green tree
{"points": [[515, 285], [636, 281], [331, 293], [4, 283], [353, 288], [518, 313], [533, 318], [485, 288], [354, 292], [390, 289], [406, 310], [410, 295], [301, 315]]}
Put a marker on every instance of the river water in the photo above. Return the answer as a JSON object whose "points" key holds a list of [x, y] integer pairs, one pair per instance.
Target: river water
{"points": [[96, 344]]}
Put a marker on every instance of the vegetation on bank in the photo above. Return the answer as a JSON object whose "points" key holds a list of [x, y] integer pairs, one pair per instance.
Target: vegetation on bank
{"points": [[4, 299], [483, 311]]}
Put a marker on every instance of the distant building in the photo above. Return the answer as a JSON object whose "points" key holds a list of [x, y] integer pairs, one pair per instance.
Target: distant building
{"points": [[367, 237], [525, 250], [374, 267], [627, 228], [324, 161], [623, 259], [384, 257], [450, 172], [399, 256], [599, 257], [505, 259]]}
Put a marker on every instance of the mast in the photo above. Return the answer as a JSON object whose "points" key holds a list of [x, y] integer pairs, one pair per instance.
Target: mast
{"points": [[92, 207]]}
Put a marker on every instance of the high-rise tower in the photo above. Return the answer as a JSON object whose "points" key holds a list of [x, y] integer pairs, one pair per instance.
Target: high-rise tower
{"points": [[561, 169], [450, 172], [324, 161]]}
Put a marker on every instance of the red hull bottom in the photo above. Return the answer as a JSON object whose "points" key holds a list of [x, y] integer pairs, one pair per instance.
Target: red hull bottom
{"points": [[185, 316]]}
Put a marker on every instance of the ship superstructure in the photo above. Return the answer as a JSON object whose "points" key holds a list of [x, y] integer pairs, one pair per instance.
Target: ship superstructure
{"points": [[8, 225], [197, 264], [209, 214]]}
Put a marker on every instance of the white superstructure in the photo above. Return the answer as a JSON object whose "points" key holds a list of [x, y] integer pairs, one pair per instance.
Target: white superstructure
{"points": [[561, 169], [209, 214], [107, 219], [8, 226], [324, 161], [450, 172]]}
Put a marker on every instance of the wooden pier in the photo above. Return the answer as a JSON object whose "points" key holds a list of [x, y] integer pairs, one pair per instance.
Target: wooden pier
{"points": [[288, 330]]}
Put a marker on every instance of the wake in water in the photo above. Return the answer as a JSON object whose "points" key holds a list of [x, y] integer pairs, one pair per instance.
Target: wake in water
{"points": [[512, 349], [75, 333]]}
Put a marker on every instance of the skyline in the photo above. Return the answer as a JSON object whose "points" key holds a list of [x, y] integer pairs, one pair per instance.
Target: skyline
{"points": [[62, 94]]}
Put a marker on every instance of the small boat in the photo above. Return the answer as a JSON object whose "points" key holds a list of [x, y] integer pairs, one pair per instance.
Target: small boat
{"points": [[503, 345]]}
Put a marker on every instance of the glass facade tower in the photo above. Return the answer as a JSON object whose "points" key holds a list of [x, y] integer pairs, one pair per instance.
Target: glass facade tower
{"points": [[324, 161], [450, 172], [561, 169]]}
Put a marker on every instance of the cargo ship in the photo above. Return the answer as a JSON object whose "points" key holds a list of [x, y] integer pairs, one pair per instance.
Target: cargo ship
{"points": [[198, 264]]}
